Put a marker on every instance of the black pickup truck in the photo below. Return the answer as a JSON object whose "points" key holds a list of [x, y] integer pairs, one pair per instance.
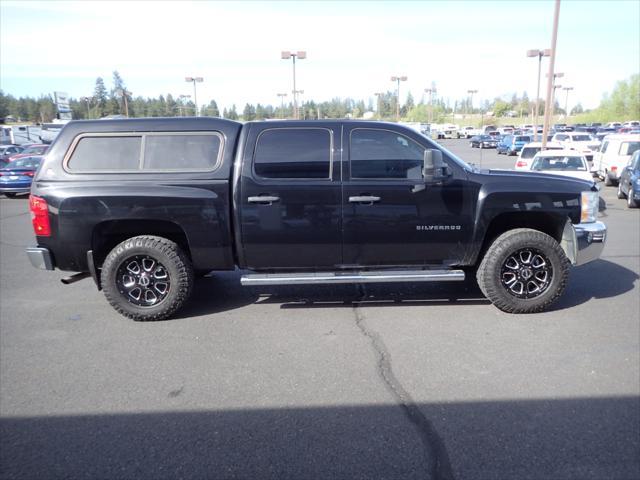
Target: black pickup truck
{"points": [[145, 205]]}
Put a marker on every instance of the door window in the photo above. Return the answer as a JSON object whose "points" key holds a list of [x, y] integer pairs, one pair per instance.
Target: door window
{"points": [[384, 154], [293, 153]]}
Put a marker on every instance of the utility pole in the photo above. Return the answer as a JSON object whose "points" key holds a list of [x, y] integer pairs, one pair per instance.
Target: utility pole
{"points": [[566, 102], [552, 64], [398, 79], [300, 55], [471, 92], [195, 80]]}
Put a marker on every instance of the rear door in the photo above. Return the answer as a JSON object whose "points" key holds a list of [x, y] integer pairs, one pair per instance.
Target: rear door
{"points": [[290, 196]]}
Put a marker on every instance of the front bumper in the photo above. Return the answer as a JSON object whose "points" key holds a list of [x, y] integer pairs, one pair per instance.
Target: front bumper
{"points": [[588, 242], [40, 257]]}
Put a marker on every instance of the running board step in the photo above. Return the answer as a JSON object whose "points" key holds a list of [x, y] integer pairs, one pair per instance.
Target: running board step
{"points": [[352, 277]]}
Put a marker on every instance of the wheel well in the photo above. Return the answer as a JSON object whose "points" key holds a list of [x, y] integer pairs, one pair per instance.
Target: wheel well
{"points": [[552, 225], [106, 235]]}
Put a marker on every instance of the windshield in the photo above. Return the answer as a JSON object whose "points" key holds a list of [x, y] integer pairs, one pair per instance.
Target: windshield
{"points": [[28, 162], [581, 138], [36, 150], [560, 163], [628, 148]]}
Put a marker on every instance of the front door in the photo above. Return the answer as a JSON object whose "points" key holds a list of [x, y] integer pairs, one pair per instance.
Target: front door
{"points": [[391, 217], [290, 197]]}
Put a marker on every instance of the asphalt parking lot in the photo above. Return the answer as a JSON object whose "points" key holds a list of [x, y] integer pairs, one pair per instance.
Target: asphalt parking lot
{"points": [[388, 381]]}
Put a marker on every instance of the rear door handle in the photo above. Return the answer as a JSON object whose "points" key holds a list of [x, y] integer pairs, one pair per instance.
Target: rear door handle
{"points": [[369, 199], [263, 199]]}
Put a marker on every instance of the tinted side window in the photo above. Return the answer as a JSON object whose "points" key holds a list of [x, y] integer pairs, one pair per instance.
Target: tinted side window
{"points": [[106, 153], [293, 153], [384, 154], [181, 152]]}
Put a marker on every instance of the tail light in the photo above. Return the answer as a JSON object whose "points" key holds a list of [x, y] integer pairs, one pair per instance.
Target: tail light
{"points": [[614, 168], [39, 216], [28, 174], [521, 163]]}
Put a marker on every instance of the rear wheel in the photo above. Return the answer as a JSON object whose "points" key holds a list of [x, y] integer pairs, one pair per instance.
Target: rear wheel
{"points": [[147, 278], [631, 201], [523, 271]]}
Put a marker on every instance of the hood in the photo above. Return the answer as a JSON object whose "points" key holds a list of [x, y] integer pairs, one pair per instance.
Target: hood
{"points": [[531, 176]]}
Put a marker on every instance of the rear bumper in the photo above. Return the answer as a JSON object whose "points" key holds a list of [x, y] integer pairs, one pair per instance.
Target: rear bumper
{"points": [[4, 189], [590, 240], [40, 258]]}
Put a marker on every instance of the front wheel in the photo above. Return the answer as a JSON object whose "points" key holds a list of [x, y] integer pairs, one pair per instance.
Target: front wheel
{"points": [[523, 271], [620, 192], [147, 278]]}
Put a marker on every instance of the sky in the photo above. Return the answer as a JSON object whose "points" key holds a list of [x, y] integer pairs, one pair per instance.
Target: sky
{"points": [[353, 48]]}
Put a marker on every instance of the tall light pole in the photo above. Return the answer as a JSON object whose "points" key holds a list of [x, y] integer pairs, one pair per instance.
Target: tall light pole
{"points": [[195, 80], [398, 79], [566, 101], [539, 54], [379, 103], [553, 100], [430, 91], [282, 95], [300, 92], [300, 55], [183, 108], [471, 92], [88, 100], [124, 94], [552, 66]]}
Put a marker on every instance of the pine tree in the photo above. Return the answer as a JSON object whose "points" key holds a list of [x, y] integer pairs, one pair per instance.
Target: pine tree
{"points": [[100, 98]]}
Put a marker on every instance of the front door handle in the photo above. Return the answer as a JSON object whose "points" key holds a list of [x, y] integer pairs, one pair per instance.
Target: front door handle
{"points": [[368, 199], [263, 199]]}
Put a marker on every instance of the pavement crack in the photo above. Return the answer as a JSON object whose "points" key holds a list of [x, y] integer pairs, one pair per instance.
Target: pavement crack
{"points": [[434, 446]]}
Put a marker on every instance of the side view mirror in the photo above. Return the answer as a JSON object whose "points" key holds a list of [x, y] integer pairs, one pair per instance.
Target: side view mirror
{"points": [[434, 168]]}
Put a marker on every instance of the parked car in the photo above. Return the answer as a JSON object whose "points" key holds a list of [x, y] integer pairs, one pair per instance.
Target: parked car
{"points": [[566, 162], [143, 205], [629, 184], [512, 144], [581, 142], [632, 124], [34, 149], [7, 151], [613, 156], [466, 132], [530, 150], [16, 177], [483, 141]]}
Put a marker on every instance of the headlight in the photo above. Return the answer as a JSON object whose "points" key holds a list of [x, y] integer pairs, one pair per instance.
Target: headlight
{"points": [[589, 207]]}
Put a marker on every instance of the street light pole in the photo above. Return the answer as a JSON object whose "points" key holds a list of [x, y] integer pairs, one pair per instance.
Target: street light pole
{"points": [[566, 101], [87, 99], [552, 64], [471, 92], [300, 55], [195, 80], [379, 104], [430, 91], [183, 108], [539, 54], [398, 79], [282, 95]]}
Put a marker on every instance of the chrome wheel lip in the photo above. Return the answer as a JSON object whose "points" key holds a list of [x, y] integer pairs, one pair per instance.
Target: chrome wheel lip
{"points": [[526, 273], [143, 281]]}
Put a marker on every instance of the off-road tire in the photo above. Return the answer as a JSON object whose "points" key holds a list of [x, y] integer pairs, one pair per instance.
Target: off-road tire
{"points": [[167, 253], [489, 271]]}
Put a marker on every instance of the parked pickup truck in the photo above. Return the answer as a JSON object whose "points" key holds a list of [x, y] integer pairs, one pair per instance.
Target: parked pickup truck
{"points": [[145, 205]]}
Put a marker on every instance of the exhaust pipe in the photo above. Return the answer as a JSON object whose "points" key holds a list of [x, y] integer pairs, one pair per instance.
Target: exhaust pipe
{"points": [[76, 277]]}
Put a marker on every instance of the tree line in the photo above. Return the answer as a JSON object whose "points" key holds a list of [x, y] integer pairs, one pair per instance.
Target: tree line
{"points": [[621, 104]]}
